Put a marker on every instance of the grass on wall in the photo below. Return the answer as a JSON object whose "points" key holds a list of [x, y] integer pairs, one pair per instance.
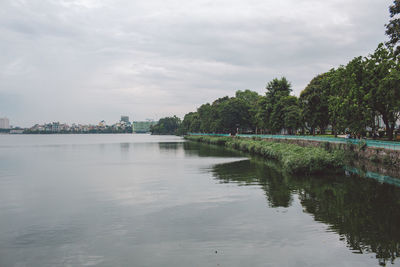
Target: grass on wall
{"points": [[294, 158]]}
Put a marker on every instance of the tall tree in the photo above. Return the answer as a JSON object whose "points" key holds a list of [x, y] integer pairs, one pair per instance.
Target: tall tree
{"points": [[349, 104], [384, 82], [292, 111], [314, 102], [259, 114], [167, 125], [276, 89], [393, 27], [206, 117], [233, 114], [250, 98], [191, 123]]}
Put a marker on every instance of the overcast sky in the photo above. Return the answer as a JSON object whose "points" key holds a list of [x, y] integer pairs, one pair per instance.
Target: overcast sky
{"points": [[88, 60]]}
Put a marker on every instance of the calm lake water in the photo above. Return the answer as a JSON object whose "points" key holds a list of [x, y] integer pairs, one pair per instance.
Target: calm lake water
{"points": [[140, 200]]}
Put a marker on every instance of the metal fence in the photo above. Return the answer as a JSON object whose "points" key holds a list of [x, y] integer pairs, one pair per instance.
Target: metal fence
{"points": [[208, 134], [370, 143]]}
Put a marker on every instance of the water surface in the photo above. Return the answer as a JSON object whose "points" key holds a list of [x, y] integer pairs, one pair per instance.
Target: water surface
{"points": [[140, 200]]}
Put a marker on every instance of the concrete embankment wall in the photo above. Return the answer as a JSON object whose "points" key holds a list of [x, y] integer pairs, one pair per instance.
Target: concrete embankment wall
{"points": [[381, 155]]}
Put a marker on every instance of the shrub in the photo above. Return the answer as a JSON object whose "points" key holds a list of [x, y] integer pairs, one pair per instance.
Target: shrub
{"points": [[326, 146]]}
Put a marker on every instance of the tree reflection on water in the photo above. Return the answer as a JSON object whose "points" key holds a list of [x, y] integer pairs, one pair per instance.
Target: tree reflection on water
{"points": [[365, 213]]}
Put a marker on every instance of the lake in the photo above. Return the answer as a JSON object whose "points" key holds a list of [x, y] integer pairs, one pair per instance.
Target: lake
{"points": [[141, 200]]}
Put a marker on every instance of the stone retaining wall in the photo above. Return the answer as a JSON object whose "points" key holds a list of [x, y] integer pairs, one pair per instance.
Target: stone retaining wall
{"points": [[381, 155]]}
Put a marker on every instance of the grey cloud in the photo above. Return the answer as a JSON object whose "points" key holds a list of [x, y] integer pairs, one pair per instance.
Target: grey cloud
{"points": [[87, 60]]}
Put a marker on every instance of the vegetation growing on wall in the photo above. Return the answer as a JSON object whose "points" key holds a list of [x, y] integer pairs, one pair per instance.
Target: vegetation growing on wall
{"points": [[294, 158]]}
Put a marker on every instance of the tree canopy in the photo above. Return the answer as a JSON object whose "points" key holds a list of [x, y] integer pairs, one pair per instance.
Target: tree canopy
{"points": [[349, 99], [167, 125], [352, 98], [393, 27]]}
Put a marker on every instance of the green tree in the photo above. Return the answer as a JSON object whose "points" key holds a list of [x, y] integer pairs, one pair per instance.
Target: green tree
{"points": [[278, 87], [393, 27], [259, 114], [276, 90], [191, 123], [233, 114], [335, 103], [349, 104], [251, 99], [206, 117], [167, 125], [384, 86], [314, 103], [292, 119]]}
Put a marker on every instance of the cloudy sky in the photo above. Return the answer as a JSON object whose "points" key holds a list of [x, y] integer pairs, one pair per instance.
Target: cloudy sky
{"points": [[88, 60]]}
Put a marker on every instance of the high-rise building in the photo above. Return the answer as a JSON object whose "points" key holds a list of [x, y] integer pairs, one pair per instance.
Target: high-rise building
{"points": [[125, 119], [4, 123]]}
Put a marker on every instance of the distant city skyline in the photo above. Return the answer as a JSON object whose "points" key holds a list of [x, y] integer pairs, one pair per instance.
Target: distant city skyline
{"points": [[108, 122], [91, 60], [122, 126], [123, 118], [5, 122]]}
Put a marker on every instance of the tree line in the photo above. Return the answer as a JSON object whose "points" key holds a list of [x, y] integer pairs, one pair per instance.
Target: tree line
{"points": [[349, 99], [167, 125]]}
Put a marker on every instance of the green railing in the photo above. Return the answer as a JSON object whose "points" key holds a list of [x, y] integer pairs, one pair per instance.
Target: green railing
{"points": [[370, 143], [208, 134]]}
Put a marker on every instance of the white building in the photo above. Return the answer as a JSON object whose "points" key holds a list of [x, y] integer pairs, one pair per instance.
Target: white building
{"points": [[4, 123]]}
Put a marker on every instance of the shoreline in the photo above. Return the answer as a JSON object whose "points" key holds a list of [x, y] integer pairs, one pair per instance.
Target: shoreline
{"points": [[294, 158], [367, 159]]}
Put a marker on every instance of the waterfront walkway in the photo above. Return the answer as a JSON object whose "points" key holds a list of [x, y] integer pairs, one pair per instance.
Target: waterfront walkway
{"points": [[369, 143]]}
